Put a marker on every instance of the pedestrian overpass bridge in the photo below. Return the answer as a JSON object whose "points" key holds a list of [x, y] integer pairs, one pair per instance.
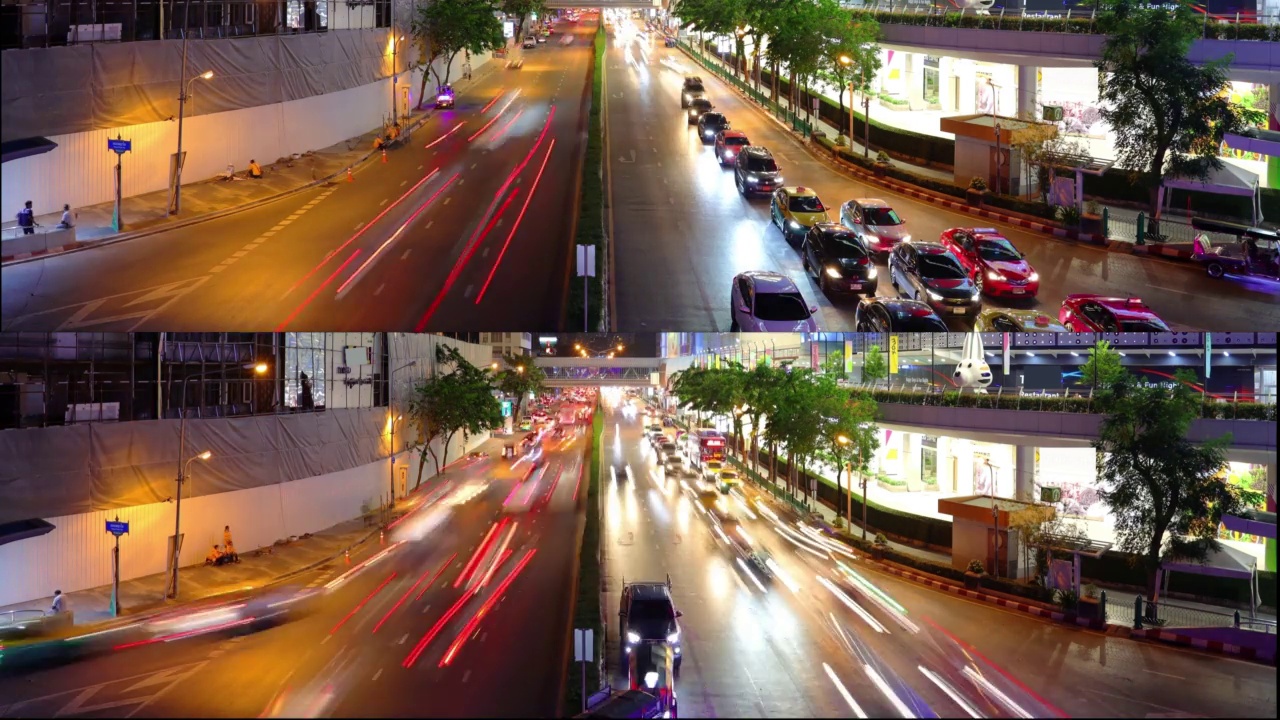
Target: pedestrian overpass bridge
{"points": [[603, 4], [601, 372]]}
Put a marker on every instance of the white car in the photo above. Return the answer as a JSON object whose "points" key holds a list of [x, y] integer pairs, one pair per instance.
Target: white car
{"points": [[529, 42], [763, 301]]}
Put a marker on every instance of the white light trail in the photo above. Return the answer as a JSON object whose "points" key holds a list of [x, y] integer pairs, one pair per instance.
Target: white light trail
{"points": [[951, 692], [853, 704], [855, 607]]}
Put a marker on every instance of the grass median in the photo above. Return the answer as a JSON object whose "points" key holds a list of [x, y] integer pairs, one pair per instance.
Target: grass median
{"points": [[590, 226], [587, 612]]}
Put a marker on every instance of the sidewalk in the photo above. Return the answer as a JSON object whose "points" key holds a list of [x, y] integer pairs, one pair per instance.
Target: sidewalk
{"points": [[149, 212]]}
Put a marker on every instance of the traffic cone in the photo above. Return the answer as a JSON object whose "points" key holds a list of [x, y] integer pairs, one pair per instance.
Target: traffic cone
{"points": [[384, 155], [382, 537], [348, 555], [350, 178]]}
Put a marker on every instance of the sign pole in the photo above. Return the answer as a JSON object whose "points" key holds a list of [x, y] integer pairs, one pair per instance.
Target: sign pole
{"points": [[116, 528], [119, 146]]}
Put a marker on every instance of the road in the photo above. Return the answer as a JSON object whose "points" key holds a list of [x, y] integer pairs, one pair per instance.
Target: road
{"points": [[679, 222], [396, 639], [763, 650], [465, 228]]}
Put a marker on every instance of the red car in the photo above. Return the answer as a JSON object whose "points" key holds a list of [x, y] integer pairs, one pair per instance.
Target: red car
{"points": [[995, 265], [1097, 313], [728, 144]]}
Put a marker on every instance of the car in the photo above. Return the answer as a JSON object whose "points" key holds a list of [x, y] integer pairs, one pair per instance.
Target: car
{"points": [[542, 37], [876, 224], [697, 108], [931, 273], [838, 260], [444, 97], [620, 471], [1086, 312], [529, 42], [673, 464], [794, 210], [883, 314], [1014, 320], [763, 301], [995, 265], [728, 143], [692, 90], [727, 479], [667, 449], [647, 612], [710, 125], [711, 469], [756, 171]]}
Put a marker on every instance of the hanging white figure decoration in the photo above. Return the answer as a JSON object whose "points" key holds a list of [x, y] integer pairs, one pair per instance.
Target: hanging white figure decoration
{"points": [[973, 371]]}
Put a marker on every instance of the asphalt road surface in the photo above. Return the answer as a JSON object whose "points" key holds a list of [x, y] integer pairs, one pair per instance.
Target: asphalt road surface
{"points": [[680, 225], [396, 639], [465, 228], [773, 650]]}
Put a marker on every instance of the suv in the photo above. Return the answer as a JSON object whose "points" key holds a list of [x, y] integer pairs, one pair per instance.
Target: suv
{"points": [[698, 107], [756, 171], [692, 90], [667, 449], [647, 612]]}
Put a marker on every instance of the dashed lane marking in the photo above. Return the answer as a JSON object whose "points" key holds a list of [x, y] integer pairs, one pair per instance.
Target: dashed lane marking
{"points": [[377, 674], [384, 202], [449, 199], [402, 184], [379, 290], [466, 676], [359, 225], [403, 638], [425, 608]]}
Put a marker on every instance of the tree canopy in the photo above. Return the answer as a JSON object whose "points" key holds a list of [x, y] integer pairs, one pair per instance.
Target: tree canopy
{"points": [[1103, 368], [874, 366], [445, 403], [443, 28], [518, 377]]}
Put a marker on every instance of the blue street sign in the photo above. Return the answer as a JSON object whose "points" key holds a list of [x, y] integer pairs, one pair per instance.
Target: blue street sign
{"points": [[117, 528], [506, 408], [118, 146]]}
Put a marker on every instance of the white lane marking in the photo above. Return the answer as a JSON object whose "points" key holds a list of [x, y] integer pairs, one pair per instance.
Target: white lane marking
{"points": [[406, 637], [268, 233], [384, 202], [218, 268], [429, 224], [379, 290], [485, 253], [1168, 675], [406, 253], [461, 180], [359, 225], [470, 287], [403, 183], [425, 609], [466, 676], [278, 227], [326, 639], [294, 216], [419, 167], [377, 674], [449, 199], [473, 166]]}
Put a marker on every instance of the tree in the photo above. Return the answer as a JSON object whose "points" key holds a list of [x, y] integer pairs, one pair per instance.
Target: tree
{"points": [[1103, 368], [1168, 114], [874, 366], [522, 9], [443, 28], [445, 403], [1042, 148], [853, 437], [1164, 491], [852, 57], [518, 377], [834, 365]]}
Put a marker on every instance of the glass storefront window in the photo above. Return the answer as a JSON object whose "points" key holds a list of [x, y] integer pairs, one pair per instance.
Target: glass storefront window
{"points": [[929, 463], [931, 85]]}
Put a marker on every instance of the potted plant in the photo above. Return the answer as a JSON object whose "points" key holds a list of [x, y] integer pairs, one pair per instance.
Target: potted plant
{"points": [[878, 547], [976, 192], [1090, 607], [1091, 220], [883, 161], [1069, 216], [974, 574]]}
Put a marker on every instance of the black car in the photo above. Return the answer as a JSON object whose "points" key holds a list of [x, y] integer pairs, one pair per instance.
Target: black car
{"points": [[697, 108], [620, 471], [756, 171], [839, 261], [692, 90], [932, 274], [877, 314], [710, 124], [647, 613]]}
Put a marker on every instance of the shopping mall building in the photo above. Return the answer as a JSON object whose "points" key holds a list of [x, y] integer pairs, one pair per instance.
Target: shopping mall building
{"points": [[931, 453]]}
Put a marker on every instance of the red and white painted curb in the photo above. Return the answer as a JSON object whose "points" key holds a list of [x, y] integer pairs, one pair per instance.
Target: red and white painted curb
{"points": [[1217, 646], [1157, 249]]}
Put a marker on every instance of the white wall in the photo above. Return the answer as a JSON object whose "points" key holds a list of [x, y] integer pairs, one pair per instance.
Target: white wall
{"points": [[81, 170]]}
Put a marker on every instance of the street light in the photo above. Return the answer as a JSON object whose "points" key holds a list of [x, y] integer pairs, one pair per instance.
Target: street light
{"points": [[183, 463], [396, 419], [184, 92]]}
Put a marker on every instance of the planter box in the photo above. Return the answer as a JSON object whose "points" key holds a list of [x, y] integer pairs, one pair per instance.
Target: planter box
{"points": [[972, 581], [1088, 608], [892, 488], [879, 169], [974, 197], [877, 552], [1091, 224]]}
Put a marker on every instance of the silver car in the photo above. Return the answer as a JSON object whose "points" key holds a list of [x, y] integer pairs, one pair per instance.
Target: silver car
{"points": [[876, 224]]}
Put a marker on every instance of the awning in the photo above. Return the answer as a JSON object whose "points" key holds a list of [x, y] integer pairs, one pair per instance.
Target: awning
{"points": [[23, 529], [1227, 180], [1263, 142], [1252, 522], [26, 147], [1225, 561]]}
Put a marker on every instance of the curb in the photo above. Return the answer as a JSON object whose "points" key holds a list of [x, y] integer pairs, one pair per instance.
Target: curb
{"points": [[1215, 646], [207, 217], [1120, 246]]}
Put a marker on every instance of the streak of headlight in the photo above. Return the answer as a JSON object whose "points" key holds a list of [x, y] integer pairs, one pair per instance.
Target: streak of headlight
{"points": [[885, 690], [746, 536], [855, 607], [1003, 699], [857, 710], [951, 692], [751, 575], [806, 548], [498, 556], [785, 578], [745, 508], [613, 474], [720, 533], [877, 596]]}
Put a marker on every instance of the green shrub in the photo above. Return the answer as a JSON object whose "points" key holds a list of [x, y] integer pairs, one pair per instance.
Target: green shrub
{"points": [[975, 567], [591, 209], [978, 184]]}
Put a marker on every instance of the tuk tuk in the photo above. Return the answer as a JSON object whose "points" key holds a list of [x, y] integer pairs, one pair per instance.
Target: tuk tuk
{"points": [[1256, 250], [444, 97]]}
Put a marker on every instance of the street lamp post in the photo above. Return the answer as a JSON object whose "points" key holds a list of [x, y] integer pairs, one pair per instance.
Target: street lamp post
{"points": [[395, 419], [184, 93], [184, 463]]}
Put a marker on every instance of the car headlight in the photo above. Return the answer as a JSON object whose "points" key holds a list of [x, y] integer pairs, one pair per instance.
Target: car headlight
{"points": [[993, 275], [752, 178], [674, 637], [833, 273], [708, 133], [871, 273], [779, 180], [633, 636], [873, 239], [1034, 277], [728, 153], [793, 224], [935, 297]]}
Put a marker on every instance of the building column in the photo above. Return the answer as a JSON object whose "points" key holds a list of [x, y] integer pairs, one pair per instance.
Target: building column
{"points": [[1024, 473], [1270, 553], [1273, 179], [1028, 90]]}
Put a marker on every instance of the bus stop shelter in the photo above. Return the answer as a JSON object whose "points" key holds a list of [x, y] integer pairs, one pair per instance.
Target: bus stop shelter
{"points": [[1223, 561]]}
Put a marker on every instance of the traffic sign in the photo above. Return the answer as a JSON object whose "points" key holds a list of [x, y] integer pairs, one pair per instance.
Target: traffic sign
{"points": [[583, 645], [119, 146], [117, 528]]}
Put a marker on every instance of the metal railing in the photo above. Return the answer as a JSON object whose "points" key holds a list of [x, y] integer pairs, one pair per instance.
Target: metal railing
{"points": [[1162, 613], [717, 65], [1079, 21], [15, 617]]}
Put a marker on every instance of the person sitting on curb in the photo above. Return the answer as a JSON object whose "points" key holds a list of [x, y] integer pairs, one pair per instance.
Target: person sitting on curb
{"points": [[214, 557], [255, 170]]}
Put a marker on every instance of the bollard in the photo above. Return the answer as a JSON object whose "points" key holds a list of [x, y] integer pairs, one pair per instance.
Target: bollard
{"points": [[350, 178], [382, 537], [1137, 599], [1106, 224], [1142, 229], [1102, 604], [384, 155], [347, 554], [1237, 616]]}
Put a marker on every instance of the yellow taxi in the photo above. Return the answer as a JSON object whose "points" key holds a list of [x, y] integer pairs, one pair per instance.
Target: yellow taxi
{"points": [[1014, 320], [794, 210]]}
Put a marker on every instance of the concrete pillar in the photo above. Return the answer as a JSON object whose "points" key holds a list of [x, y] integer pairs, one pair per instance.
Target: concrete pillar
{"points": [[1270, 557], [1273, 181], [1024, 473], [1028, 90]]}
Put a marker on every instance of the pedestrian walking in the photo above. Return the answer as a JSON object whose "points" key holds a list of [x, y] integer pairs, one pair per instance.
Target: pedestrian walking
{"points": [[27, 219], [59, 603], [306, 399], [67, 222]]}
